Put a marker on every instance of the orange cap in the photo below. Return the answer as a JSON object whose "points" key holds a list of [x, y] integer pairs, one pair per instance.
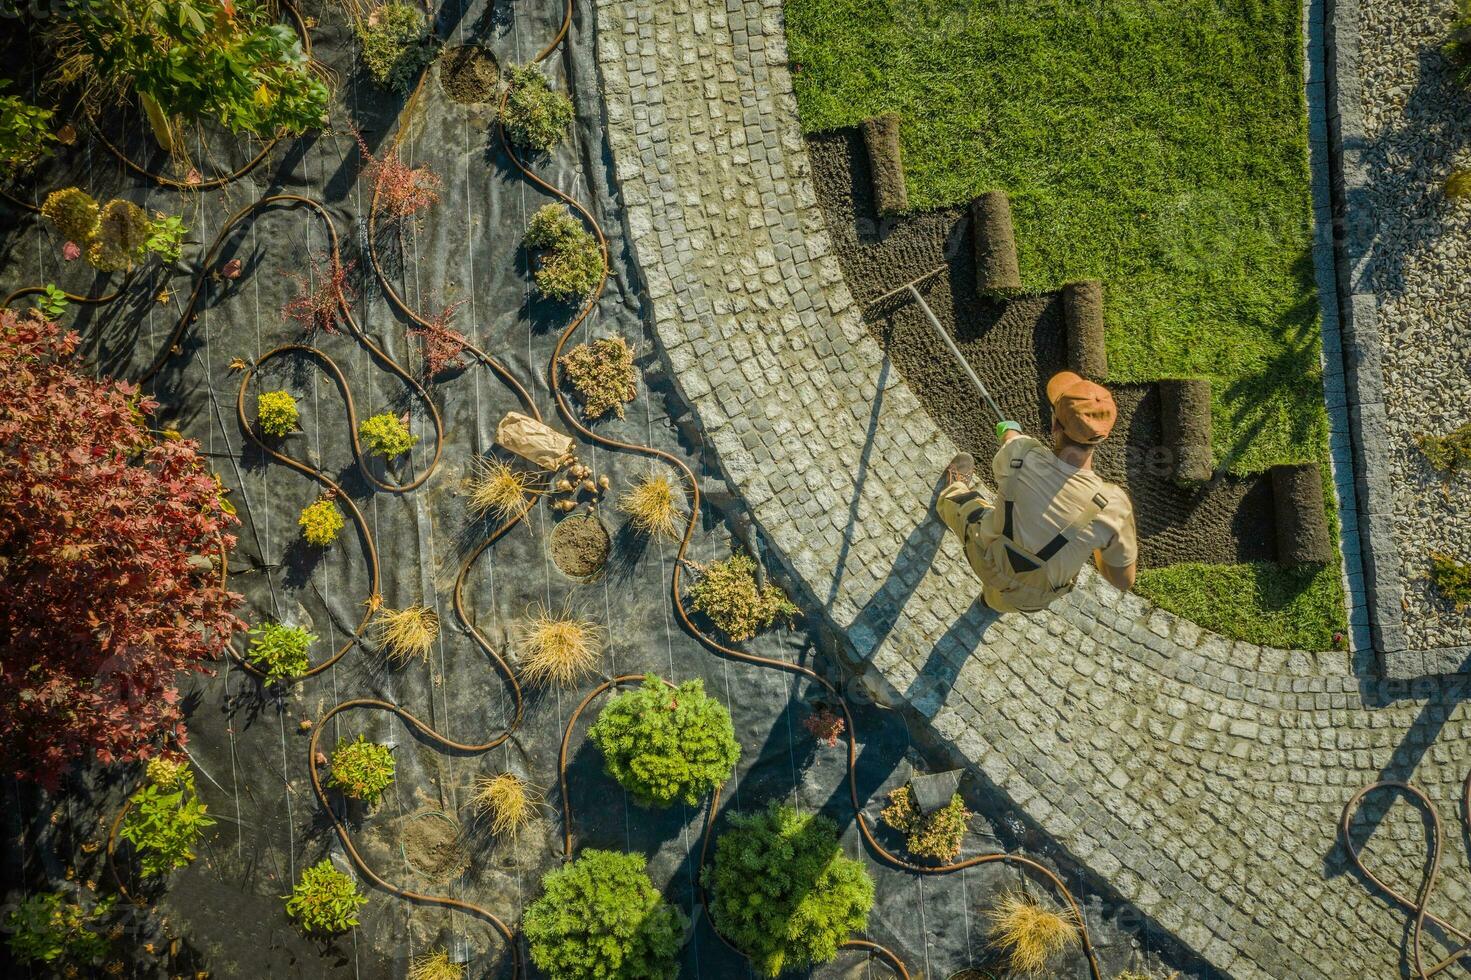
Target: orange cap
{"points": [[1086, 411]]}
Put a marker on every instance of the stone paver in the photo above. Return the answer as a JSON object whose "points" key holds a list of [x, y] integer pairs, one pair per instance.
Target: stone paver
{"points": [[1200, 778]]}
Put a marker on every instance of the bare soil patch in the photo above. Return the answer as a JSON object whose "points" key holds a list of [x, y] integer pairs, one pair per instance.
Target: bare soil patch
{"points": [[580, 545], [469, 74]]}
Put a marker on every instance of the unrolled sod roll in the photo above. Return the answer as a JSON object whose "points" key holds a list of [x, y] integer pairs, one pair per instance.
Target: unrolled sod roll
{"points": [[1186, 417], [885, 167], [1082, 304], [995, 242], [1302, 526]]}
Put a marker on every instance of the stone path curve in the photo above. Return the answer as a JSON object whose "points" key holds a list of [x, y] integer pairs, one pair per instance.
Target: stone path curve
{"points": [[1199, 778]]}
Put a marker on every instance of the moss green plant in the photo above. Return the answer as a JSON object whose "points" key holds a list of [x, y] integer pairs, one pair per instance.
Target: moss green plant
{"points": [[1458, 184], [361, 769], [279, 651], [601, 917], [386, 435], [395, 45], [122, 235], [602, 374], [276, 412], [570, 263], [726, 591], [165, 820], [535, 117], [74, 212], [325, 901], [665, 744], [1449, 453], [49, 928], [937, 835], [321, 522], [784, 893], [1452, 579]]}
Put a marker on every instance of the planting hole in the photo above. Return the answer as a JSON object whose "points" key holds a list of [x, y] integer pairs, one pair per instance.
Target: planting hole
{"points": [[468, 74], [580, 545], [431, 845]]}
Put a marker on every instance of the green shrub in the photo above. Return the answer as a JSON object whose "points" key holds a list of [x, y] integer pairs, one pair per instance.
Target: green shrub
{"points": [[1449, 453], [936, 835], [166, 819], [320, 522], [386, 435], [25, 134], [603, 375], [122, 235], [570, 265], [325, 901], [47, 928], [726, 592], [74, 212], [1458, 46], [535, 117], [784, 893], [600, 917], [665, 743], [361, 769], [279, 651], [395, 45], [1452, 579], [277, 413], [166, 237]]}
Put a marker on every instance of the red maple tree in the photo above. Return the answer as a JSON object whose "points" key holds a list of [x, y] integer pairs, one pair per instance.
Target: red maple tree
{"points": [[105, 538]]}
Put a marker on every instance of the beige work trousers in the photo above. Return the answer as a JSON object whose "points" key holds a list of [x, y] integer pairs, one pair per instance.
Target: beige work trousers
{"points": [[961, 508]]}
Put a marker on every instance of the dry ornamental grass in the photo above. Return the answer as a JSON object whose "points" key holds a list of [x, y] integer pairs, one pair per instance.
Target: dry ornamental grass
{"points": [[507, 800], [556, 647], [435, 965], [500, 490], [1030, 933], [407, 633], [654, 506]]}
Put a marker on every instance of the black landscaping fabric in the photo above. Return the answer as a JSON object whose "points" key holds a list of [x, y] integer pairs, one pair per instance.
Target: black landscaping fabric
{"points": [[1087, 354], [1187, 427], [1302, 530], [881, 136], [1015, 345], [226, 910]]}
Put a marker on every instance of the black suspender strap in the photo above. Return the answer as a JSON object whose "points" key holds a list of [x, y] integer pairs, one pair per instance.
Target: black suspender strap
{"points": [[1079, 524]]}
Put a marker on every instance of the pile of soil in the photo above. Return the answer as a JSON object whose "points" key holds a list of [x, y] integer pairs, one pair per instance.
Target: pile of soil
{"points": [[431, 844], [1015, 345], [580, 545], [469, 74]]}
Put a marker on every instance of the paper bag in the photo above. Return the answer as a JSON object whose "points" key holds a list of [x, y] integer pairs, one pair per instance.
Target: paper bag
{"points": [[530, 439]]}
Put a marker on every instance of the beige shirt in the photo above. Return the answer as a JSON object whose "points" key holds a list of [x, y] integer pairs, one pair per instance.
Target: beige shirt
{"points": [[1048, 495]]}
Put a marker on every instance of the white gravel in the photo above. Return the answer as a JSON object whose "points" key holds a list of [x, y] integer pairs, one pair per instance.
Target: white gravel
{"points": [[1418, 129]]}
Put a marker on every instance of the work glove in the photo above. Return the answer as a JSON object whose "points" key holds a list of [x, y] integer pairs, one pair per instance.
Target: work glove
{"points": [[1004, 426]]}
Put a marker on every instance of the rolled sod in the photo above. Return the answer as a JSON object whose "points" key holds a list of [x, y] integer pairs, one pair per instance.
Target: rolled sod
{"points": [[885, 166], [995, 242], [1082, 304], [1186, 418], [1302, 525]]}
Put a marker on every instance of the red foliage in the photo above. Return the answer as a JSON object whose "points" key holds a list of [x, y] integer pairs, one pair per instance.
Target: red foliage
{"points": [[321, 294], [400, 191], [442, 347], [98, 521], [825, 725]]}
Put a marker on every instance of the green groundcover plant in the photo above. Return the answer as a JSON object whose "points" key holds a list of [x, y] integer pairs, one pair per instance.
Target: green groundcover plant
{"points": [[325, 901], [361, 769], [386, 435], [49, 928], [280, 651], [165, 820], [727, 592], [784, 893], [320, 521], [600, 917], [665, 743], [535, 117], [276, 412]]}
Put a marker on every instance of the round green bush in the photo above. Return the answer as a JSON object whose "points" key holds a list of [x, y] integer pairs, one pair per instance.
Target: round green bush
{"points": [[386, 435], [395, 45], [784, 892], [361, 769], [325, 901], [666, 743], [535, 117], [276, 412], [600, 917]]}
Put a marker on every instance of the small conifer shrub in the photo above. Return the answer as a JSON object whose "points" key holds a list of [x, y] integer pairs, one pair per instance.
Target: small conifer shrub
{"points": [[726, 592], [386, 435], [569, 261], [325, 901], [535, 117], [1452, 579], [279, 651], [1450, 453], [321, 522], [665, 744], [276, 413], [395, 45], [603, 375], [361, 769], [74, 213]]}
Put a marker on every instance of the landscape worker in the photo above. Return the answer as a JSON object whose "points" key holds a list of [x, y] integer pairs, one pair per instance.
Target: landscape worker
{"points": [[1053, 511]]}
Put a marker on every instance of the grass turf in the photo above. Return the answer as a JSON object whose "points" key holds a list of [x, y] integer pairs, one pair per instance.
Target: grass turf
{"points": [[1159, 147]]}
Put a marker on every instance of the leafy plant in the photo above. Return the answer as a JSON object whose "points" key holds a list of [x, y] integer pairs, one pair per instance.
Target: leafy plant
{"points": [[666, 743], [936, 835], [74, 212], [1449, 453], [654, 506], [534, 116], [726, 592], [435, 965], [325, 901], [321, 522], [1029, 933], [570, 265], [395, 45], [602, 373], [387, 435], [361, 769], [321, 294], [1452, 579], [101, 525], [166, 237], [825, 725], [499, 489], [48, 928], [25, 134], [507, 800], [399, 190], [165, 820], [557, 647], [600, 917], [276, 412], [784, 892], [279, 651], [52, 302], [407, 633]]}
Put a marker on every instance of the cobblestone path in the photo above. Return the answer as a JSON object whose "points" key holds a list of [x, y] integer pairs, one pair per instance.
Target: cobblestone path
{"points": [[1200, 778]]}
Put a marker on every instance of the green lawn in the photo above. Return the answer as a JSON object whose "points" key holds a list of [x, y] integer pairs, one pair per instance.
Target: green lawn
{"points": [[1159, 147]]}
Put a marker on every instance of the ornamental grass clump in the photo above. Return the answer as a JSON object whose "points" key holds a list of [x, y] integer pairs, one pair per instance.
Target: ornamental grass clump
{"points": [[361, 769], [569, 260], [435, 965], [279, 651], [654, 506], [501, 491], [387, 435], [784, 893], [601, 917], [395, 45], [535, 117], [936, 835], [48, 928], [556, 647], [321, 522], [325, 901], [276, 413], [407, 634], [602, 374], [1452, 579], [665, 744], [1029, 933], [1450, 453], [507, 801], [165, 818], [727, 593]]}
